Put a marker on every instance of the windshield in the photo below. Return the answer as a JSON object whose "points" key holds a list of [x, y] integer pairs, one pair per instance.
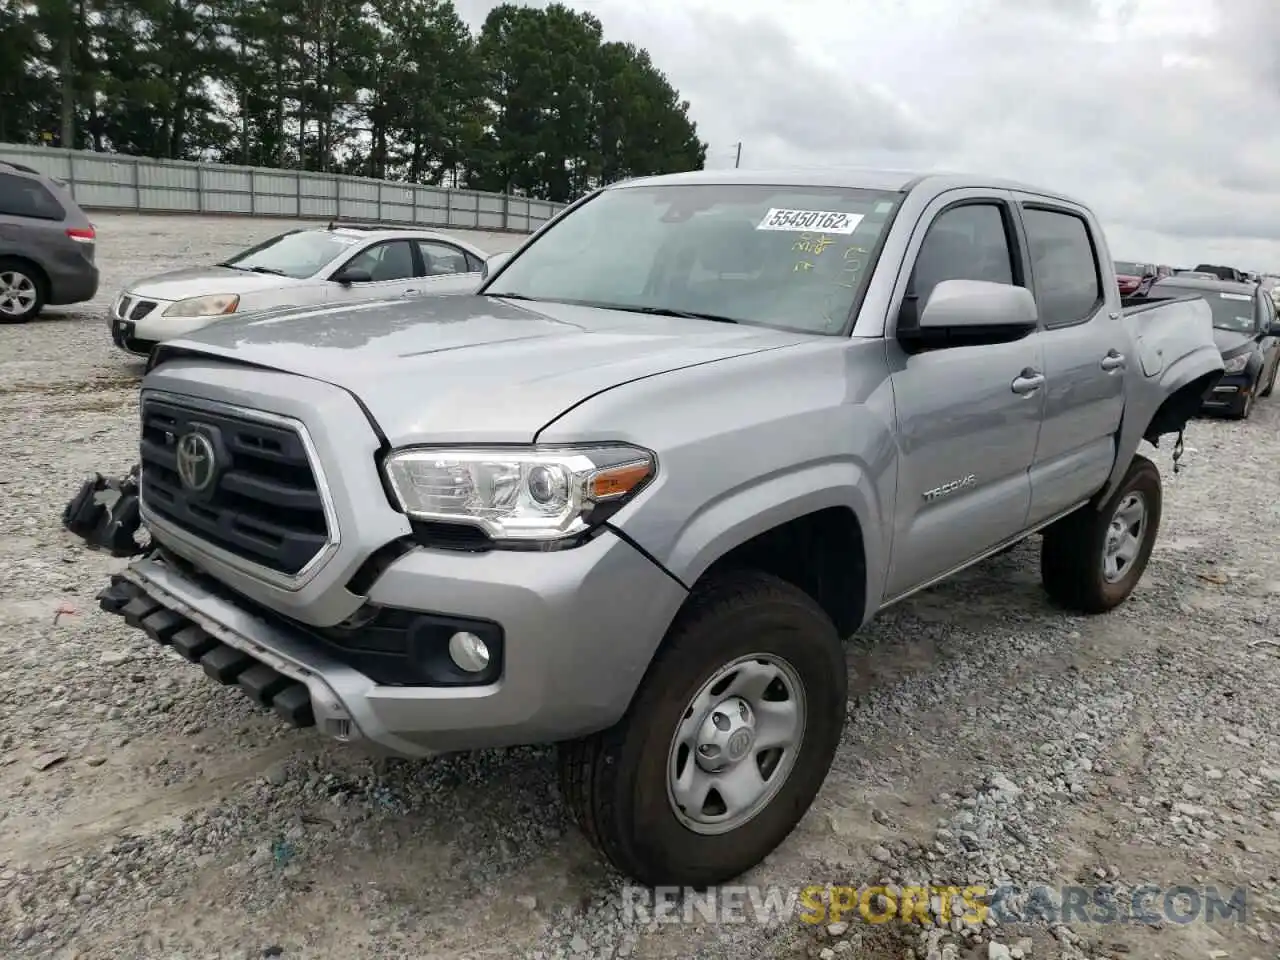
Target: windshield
{"points": [[1126, 269], [298, 253], [1232, 311], [789, 257]]}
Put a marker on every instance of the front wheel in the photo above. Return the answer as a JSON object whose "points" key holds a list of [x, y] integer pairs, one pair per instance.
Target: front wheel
{"points": [[1271, 384], [726, 744], [1092, 559]]}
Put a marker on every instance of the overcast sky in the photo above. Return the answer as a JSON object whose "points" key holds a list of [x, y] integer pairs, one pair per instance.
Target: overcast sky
{"points": [[1164, 115]]}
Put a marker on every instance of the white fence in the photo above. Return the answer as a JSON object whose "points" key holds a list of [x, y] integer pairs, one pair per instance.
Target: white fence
{"points": [[108, 181]]}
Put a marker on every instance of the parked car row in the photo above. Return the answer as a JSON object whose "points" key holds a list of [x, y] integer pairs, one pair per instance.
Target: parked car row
{"points": [[47, 257], [1246, 324]]}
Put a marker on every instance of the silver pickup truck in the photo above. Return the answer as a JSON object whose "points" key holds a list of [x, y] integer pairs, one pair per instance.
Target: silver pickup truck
{"points": [[631, 496]]}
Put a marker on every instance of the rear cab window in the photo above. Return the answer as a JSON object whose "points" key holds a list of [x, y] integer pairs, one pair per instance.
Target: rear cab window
{"points": [[1067, 281], [27, 197]]}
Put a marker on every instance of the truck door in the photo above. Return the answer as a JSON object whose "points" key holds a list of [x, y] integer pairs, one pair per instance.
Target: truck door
{"points": [[1086, 352], [967, 415]]}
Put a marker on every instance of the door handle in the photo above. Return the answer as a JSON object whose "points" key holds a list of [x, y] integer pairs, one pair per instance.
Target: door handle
{"points": [[1113, 361], [409, 293], [1029, 381]]}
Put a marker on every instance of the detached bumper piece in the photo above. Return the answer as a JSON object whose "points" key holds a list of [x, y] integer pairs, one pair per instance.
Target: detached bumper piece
{"points": [[263, 684], [104, 514]]}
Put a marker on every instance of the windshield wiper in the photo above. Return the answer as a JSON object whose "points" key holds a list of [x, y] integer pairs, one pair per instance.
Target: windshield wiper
{"points": [[513, 296], [271, 270], [668, 312]]}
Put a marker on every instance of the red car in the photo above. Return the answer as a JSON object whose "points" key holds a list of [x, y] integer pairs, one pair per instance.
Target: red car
{"points": [[1134, 279]]}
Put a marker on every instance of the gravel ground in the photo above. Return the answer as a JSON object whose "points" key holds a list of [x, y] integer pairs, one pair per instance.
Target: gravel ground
{"points": [[147, 813]]}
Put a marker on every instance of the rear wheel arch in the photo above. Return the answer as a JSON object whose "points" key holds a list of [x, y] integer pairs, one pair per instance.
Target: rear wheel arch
{"points": [[33, 269], [1179, 407]]}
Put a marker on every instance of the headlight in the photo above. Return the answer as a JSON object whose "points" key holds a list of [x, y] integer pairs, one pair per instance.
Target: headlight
{"points": [[529, 493], [1235, 364], [213, 305]]}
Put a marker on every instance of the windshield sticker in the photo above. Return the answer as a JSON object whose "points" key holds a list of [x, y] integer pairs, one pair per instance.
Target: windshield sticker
{"points": [[884, 207], [806, 221], [1235, 296]]}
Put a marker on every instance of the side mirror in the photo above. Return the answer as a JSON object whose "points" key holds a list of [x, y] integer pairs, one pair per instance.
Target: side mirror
{"points": [[491, 265], [978, 310], [348, 277]]}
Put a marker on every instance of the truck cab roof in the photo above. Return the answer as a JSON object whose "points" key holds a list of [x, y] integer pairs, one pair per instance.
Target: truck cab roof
{"points": [[855, 178]]}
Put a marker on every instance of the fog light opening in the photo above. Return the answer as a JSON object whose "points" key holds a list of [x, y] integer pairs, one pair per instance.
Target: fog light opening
{"points": [[468, 652]]}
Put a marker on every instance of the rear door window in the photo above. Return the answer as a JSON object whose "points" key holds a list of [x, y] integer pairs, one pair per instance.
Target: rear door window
{"points": [[24, 197], [1068, 283], [443, 259]]}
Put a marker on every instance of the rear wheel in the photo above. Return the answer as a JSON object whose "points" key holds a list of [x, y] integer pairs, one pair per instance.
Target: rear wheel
{"points": [[727, 742], [22, 293], [1092, 559]]}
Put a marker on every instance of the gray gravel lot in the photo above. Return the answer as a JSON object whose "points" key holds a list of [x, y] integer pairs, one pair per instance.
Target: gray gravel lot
{"points": [[147, 813]]}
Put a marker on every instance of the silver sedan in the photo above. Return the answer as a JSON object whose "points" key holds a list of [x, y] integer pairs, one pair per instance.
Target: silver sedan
{"points": [[313, 266]]}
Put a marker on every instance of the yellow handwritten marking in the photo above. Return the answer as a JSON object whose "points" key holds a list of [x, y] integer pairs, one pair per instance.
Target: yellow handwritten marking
{"points": [[802, 266], [809, 243]]}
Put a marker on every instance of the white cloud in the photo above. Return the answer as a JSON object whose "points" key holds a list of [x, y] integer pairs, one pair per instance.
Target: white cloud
{"points": [[1164, 115]]}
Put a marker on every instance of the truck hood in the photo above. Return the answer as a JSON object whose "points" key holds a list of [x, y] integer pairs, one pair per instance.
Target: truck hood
{"points": [[472, 369], [206, 281], [1230, 341]]}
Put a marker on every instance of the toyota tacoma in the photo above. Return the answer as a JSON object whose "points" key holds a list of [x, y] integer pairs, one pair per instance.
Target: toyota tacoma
{"points": [[630, 496]]}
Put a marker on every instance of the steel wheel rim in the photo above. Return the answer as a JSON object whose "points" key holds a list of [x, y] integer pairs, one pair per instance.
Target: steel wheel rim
{"points": [[736, 744], [17, 293], [1125, 534]]}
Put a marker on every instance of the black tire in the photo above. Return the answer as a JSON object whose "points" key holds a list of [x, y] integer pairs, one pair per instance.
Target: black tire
{"points": [[20, 269], [1245, 408], [1071, 554], [615, 783], [1271, 384]]}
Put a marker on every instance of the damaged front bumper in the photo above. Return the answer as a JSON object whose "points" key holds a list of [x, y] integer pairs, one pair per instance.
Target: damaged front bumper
{"points": [[279, 673], [105, 514]]}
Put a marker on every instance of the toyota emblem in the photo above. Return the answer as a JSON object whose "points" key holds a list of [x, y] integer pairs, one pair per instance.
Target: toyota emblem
{"points": [[197, 466]]}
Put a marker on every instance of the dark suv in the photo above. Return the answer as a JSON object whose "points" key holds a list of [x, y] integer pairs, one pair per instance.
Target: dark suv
{"points": [[46, 245]]}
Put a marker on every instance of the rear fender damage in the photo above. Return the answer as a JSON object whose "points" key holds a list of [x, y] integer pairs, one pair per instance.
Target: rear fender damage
{"points": [[1177, 409]]}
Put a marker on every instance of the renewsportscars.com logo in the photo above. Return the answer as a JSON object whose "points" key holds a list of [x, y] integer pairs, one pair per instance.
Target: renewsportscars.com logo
{"points": [[929, 905]]}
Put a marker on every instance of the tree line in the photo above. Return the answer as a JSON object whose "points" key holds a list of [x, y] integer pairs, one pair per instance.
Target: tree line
{"points": [[537, 104]]}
